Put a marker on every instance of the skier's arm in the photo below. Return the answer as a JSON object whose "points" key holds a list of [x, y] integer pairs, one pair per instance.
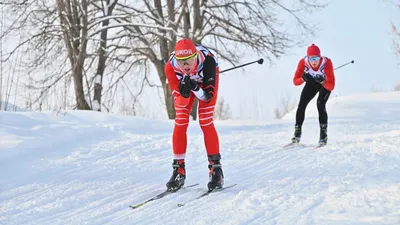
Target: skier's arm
{"points": [[297, 79], [209, 76], [329, 76], [173, 81]]}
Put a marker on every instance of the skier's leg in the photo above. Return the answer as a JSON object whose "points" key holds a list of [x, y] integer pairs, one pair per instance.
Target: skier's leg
{"points": [[206, 121], [211, 140], [179, 144], [179, 137], [308, 93], [323, 115]]}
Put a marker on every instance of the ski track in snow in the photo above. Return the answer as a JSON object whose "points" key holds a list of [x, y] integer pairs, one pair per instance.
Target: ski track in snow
{"points": [[87, 167]]}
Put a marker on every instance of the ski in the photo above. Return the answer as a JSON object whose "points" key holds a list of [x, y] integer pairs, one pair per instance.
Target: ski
{"points": [[289, 145], [292, 145], [206, 194], [159, 196], [319, 146]]}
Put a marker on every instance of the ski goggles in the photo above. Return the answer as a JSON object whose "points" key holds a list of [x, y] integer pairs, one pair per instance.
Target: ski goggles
{"points": [[314, 58], [188, 60]]}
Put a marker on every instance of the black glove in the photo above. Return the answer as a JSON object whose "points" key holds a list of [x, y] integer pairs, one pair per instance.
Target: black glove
{"points": [[184, 87], [307, 77], [194, 86], [319, 78]]}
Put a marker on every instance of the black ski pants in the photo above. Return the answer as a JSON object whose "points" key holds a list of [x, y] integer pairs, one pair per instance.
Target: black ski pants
{"points": [[309, 91]]}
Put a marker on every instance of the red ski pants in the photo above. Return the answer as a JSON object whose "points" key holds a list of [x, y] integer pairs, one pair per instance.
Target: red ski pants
{"points": [[206, 121]]}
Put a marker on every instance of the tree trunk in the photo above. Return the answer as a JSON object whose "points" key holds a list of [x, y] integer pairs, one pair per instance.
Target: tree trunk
{"points": [[98, 80], [101, 66], [165, 49], [73, 18], [186, 20], [169, 102], [193, 113], [168, 98], [81, 103]]}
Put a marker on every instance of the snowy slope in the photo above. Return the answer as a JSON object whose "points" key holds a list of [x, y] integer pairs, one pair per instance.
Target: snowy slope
{"points": [[87, 167], [7, 106]]}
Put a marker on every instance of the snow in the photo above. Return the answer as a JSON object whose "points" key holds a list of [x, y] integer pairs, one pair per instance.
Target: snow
{"points": [[7, 106], [86, 167]]}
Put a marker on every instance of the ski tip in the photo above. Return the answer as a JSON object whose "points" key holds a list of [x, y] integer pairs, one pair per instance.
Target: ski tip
{"points": [[135, 206], [293, 145], [319, 146], [221, 188], [192, 185], [288, 145]]}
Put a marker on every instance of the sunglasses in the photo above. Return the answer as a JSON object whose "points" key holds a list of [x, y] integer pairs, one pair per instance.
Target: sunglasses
{"points": [[187, 60], [314, 58]]}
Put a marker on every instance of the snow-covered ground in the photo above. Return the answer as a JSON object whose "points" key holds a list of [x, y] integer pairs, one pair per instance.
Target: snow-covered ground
{"points": [[7, 106], [87, 167]]}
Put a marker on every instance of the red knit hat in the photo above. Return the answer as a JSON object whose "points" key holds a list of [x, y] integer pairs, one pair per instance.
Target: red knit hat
{"points": [[184, 49], [313, 50]]}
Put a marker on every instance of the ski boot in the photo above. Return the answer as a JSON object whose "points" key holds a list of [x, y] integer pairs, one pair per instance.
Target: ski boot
{"points": [[323, 134], [297, 134], [178, 177], [216, 175]]}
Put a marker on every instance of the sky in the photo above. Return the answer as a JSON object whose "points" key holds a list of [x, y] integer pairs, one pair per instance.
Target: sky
{"points": [[358, 30]]}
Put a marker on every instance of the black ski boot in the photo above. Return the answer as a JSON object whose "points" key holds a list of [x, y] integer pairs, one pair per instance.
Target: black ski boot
{"points": [[323, 134], [297, 134], [178, 177], [216, 175]]}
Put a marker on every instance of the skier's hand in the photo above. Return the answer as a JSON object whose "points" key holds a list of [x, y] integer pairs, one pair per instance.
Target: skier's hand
{"points": [[194, 86], [307, 77], [185, 87], [320, 79]]}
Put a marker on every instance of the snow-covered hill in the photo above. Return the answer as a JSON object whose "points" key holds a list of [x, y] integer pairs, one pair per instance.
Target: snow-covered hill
{"points": [[87, 167], [6, 106]]}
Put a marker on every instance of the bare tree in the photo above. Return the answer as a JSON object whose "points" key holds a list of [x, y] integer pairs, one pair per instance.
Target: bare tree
{"points": [[396, 41], [76, 32], [222, 110], [74, 24], [42, 46], [101, 65], [396, 87], [285, 105], [10, 2], [395, 30]]}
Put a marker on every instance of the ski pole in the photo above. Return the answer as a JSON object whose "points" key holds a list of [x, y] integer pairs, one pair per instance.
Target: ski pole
{"points": [[260, 61], [352, 61]]}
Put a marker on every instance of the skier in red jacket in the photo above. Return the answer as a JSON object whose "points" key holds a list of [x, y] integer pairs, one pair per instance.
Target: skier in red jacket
{"points": [[192, 72], [317, 72]]}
